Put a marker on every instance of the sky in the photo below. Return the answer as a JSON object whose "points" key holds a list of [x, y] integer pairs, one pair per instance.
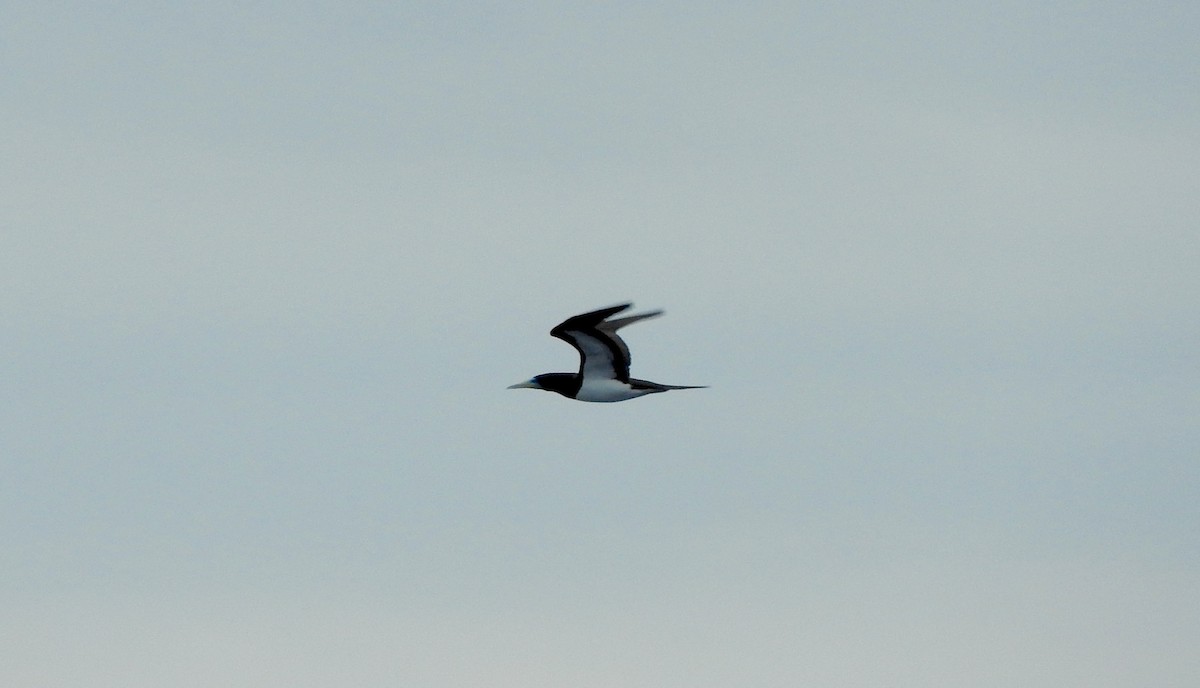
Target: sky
{"points": [[266, 270]]}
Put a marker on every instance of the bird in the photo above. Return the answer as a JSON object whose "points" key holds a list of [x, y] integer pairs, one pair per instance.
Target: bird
{"points": [[603, 360]]}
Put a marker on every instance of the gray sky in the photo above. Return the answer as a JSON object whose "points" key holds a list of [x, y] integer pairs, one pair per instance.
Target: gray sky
{"points": [[266, 270]]}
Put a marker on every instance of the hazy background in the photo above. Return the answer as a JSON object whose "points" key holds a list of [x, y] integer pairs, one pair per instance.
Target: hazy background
{"points": [[266, 270]]}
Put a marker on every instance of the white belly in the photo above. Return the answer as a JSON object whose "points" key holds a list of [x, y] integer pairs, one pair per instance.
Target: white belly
{"points": [[605, 390]]}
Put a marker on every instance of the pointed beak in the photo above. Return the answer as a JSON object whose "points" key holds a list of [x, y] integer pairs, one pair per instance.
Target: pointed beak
{"points": [[528, 384]]}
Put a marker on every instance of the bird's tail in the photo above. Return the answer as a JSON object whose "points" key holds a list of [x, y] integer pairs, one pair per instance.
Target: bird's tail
{"points": [[659, 387]]}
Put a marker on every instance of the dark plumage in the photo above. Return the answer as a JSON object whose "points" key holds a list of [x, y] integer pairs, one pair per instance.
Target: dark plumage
{"points": [[603, 360]]}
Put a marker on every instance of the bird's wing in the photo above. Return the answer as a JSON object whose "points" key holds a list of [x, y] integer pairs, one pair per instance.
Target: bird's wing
{"points": [[602, 354]]}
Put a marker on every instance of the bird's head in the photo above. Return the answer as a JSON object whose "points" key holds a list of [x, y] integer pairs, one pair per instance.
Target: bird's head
{"points": [[531, 383], [565, 384]]}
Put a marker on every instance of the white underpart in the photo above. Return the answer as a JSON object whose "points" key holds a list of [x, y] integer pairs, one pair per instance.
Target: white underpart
{"points": [[597, 358], [607, 389]]}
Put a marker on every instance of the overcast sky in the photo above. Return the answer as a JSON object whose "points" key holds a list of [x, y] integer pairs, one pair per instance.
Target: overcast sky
{"points": [[267, 269]]}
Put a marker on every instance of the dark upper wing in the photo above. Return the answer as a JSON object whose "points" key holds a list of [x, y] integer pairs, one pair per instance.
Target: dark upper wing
{"points": [[602, 353]]}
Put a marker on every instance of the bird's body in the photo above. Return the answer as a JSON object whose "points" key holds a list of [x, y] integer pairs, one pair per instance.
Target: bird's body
{"points": [[603, 360]]}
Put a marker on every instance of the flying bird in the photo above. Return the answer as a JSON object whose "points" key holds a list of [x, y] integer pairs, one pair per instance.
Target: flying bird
{"points": [[603, 360]]}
